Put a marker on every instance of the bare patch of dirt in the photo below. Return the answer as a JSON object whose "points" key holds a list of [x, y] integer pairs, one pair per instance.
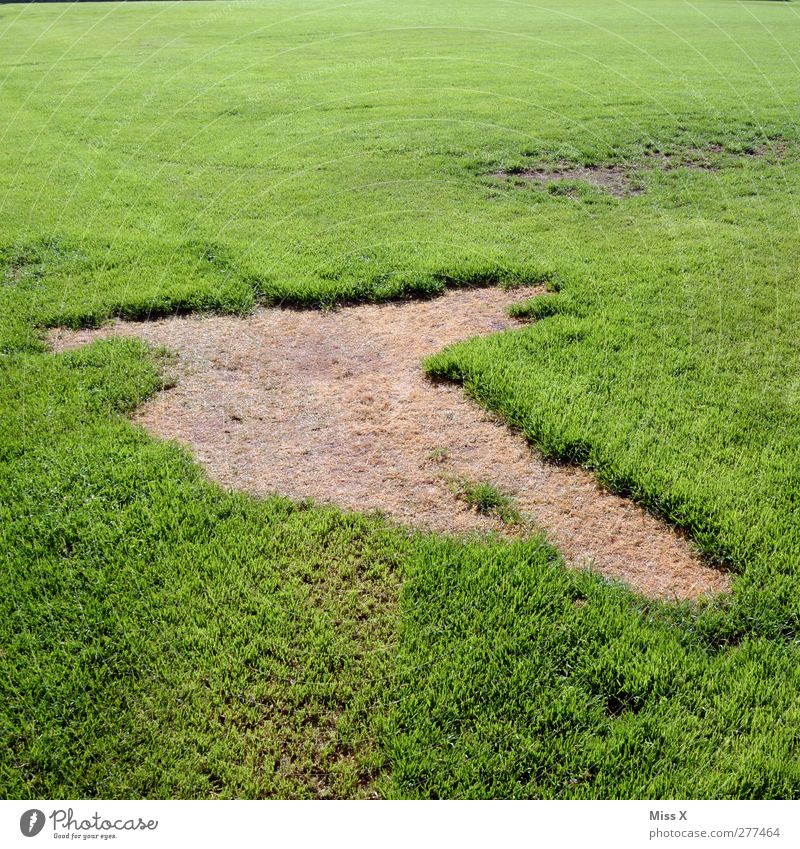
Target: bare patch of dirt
{"points": [[615, 179], [334, 406], [620, 180]]}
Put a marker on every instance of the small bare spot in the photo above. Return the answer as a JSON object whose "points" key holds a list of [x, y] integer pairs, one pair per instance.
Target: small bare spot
{"points": [[624, 179], [615, 179]]}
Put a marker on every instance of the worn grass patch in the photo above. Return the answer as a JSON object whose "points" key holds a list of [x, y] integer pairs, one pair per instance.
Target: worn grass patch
{"points": [[628, 178], [254, 396]]}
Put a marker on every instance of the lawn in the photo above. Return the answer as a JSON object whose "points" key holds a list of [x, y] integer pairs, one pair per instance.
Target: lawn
{"points": [[161, 637]]}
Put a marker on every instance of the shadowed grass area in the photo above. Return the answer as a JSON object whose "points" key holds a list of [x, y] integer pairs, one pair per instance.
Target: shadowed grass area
{"points": [[161, 637]]}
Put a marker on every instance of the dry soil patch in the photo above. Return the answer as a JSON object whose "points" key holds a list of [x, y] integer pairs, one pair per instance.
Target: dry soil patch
{"points": [[623, 180], [614, 179], [334, 406]]}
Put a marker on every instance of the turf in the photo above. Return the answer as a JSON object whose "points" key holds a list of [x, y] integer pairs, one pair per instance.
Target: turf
{"points": [[161, 637]]}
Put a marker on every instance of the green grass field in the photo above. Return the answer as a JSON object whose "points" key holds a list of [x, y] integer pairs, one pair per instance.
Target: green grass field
{"points": [[164, 638]]}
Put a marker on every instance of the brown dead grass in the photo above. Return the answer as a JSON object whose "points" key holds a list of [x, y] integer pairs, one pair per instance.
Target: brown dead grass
{"points": [[334, 406]]}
